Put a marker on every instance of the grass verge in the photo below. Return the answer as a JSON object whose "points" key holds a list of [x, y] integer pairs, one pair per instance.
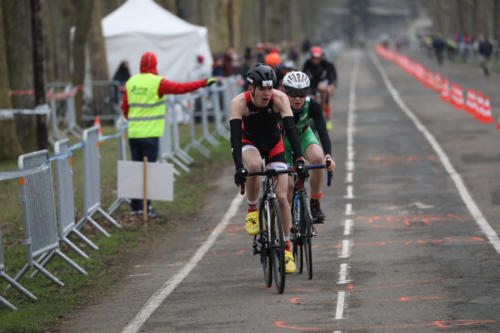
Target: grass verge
{"points": [[106, 265]]}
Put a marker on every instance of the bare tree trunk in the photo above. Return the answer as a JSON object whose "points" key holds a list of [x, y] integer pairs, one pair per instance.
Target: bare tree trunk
{"points": [[57, 21], [7, 126], [84, 10], [39, 77], [496, 19], [97, 46], [18, 46]]}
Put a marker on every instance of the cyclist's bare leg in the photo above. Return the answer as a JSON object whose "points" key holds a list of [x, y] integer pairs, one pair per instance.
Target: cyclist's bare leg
{"points": [[314, 155], [253, 162], [281, 193]]}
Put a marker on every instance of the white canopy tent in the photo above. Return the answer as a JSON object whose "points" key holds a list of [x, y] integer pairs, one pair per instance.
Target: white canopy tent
{"points": [[140, 26]]}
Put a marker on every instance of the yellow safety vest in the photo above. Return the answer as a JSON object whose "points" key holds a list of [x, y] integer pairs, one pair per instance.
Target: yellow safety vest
{"points": [[146, 113]]}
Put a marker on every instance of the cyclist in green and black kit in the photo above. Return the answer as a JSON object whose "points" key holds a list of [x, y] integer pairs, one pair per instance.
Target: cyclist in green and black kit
{"points": [[296, 86]]}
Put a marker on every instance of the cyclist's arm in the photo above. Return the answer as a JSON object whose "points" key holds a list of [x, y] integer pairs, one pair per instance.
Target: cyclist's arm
{"points": [[332, 74], [319, 121], [237, 110], [282, 105]]}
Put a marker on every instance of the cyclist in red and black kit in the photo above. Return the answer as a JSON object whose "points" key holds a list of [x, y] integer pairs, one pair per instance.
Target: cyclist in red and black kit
{"points": [[323, 77], [255, 134]]}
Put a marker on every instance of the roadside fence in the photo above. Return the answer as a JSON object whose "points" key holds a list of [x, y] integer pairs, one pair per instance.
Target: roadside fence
{"points": [[47, 228]]}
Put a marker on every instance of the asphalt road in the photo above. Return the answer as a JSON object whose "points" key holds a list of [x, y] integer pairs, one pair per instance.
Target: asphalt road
{"points": [[404, 248]]}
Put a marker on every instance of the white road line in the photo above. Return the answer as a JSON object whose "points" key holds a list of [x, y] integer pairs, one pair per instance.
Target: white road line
{"points": [[455, 176], [348, 209], [350, 191], [161, 294], [348, 178], [339, 312], [349, 165], [344, 273], [346, 249], [347, 227]]}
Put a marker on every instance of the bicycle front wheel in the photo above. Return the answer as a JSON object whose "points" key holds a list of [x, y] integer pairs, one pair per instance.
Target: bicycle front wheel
{"points": [[297, 238], [277, 243], [265, 250], [306, 232]]}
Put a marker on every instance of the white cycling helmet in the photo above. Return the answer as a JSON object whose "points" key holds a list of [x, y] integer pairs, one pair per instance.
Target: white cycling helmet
{"points": [[296, 84]]}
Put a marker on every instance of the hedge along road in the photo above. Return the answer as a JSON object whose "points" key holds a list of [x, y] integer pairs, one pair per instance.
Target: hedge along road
{"points": [[402, 249]]}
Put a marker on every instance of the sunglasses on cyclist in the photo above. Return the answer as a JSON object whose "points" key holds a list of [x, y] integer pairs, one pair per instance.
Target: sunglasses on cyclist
{"points": [[293, 92]]}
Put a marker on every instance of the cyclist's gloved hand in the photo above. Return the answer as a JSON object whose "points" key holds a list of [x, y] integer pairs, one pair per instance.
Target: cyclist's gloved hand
{"points": [[301, 169], [240, 176], [211, 81]]}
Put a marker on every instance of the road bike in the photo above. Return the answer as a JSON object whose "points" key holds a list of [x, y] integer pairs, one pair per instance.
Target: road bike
{"points": [[270, 241], [302, 224]]}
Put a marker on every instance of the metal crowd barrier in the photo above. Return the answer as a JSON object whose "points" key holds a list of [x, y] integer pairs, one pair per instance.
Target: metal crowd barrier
{"points": [[65, 198], [10, 281], [92, 182], [39, 211]]}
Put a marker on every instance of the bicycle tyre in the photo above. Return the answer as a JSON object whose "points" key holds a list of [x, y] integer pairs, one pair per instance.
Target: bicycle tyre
{"points": [[297, 240], [306, 234], [277, 241], [265, 251]]}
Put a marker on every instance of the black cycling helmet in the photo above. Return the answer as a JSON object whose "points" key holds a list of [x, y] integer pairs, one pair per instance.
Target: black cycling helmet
{"points": [[261, 75]]}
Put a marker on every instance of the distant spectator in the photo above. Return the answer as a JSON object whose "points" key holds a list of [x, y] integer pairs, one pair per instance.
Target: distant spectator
{"points": [[485, 50], [306, 45], [217, 66], [438, 44], [273, 60], [227, 62], [121, 76], [199, 72]]}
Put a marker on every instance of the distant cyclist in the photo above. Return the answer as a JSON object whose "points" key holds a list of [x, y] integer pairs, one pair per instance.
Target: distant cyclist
{"points": [[255, 134], [296, 86], [323, 78]]}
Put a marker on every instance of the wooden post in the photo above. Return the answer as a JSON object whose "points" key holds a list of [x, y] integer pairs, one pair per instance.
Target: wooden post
{"points": [[145, 190]]}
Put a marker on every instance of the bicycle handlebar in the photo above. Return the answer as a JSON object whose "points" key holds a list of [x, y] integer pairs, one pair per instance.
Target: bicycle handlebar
{"points": [[274, 172]]}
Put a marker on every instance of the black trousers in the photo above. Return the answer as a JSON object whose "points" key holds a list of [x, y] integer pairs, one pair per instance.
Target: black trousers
{"points": [[139, 148]]}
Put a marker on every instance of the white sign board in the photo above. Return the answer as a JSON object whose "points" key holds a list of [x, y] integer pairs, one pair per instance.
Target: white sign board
{"points": [[160, 180]]}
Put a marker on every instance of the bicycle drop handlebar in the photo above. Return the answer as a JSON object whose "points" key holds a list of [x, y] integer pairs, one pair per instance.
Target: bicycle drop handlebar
{"points": [[274, 172]]}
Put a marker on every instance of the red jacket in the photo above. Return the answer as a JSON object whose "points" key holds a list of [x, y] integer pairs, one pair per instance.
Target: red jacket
{"points": [[148, 65]]}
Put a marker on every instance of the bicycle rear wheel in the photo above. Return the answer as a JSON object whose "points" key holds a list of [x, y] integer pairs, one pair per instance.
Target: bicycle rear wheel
{"points": [[265, 251], [306, 233], [277, 241]]}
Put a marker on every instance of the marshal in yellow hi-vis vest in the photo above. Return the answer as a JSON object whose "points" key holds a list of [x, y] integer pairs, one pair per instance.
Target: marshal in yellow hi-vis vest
{"points": [[146, 115]]}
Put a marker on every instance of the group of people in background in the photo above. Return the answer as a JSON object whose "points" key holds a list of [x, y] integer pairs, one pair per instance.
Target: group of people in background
{"points": [[461, 47]]}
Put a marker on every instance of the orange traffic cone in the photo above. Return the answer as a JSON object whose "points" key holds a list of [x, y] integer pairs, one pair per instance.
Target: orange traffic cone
{"points": [[459, 97], [487, 118], [437, 82], [97, 123], [479, 106], [470, 106], [445, 90], [498, 123]]}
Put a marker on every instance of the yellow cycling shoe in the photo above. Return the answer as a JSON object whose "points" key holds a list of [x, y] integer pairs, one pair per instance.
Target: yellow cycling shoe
{"points": [[329, 125], [289, 262], [252, 223]]}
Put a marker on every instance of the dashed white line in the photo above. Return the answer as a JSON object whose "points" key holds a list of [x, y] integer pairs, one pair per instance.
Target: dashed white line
{"points": [[349, 177], [346, 249], [349, 165], [339, 312], [348, 209], [350, 194], [344, 273], [455, 176], [347, 227]]}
